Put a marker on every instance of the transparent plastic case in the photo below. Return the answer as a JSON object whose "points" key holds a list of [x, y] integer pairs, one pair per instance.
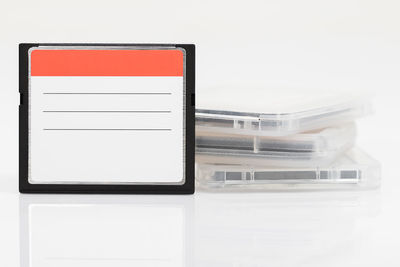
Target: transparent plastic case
{"points": [[277, 113], [355, 169], [320, 146]]}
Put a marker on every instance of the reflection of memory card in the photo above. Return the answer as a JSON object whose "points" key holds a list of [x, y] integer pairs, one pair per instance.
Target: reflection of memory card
{"points": [[106, 118], [50, 224]]}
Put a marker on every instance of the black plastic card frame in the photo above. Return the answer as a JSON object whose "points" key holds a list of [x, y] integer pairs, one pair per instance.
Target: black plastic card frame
{"points": [[106, 118]]}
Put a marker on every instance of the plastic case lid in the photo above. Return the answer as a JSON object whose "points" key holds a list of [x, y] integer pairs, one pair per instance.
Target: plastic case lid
{"points": [[322, 147], [355, 169], [278, 112]]}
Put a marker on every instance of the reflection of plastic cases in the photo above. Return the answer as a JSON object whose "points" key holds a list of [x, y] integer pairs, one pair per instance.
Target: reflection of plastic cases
{"points": [[353, 170], [272, 114], [321, 146]]}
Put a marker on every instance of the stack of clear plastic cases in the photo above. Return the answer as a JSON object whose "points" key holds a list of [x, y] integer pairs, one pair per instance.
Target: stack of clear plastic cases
{"points": [[306, 143]]}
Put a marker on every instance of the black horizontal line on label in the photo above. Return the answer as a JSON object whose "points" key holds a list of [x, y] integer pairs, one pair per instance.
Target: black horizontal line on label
{"points": [[105, 93], [107, 111], [106, 129]]}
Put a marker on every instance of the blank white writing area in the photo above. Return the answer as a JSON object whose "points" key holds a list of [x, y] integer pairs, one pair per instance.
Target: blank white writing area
{"points": [[106, 129]]}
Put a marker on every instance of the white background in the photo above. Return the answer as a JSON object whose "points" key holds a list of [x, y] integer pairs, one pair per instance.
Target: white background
{"points": [[327, 44]]}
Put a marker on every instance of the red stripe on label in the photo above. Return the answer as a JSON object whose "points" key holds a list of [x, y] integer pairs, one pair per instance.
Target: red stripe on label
{"points": [[106, 63]]}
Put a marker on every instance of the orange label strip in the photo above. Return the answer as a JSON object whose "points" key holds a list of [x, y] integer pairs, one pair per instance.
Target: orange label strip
{"points": [[106, 63]]}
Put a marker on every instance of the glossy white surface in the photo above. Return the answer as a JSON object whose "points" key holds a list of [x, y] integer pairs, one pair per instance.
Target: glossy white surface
{"points": [[206, 229], [268, 44]]}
